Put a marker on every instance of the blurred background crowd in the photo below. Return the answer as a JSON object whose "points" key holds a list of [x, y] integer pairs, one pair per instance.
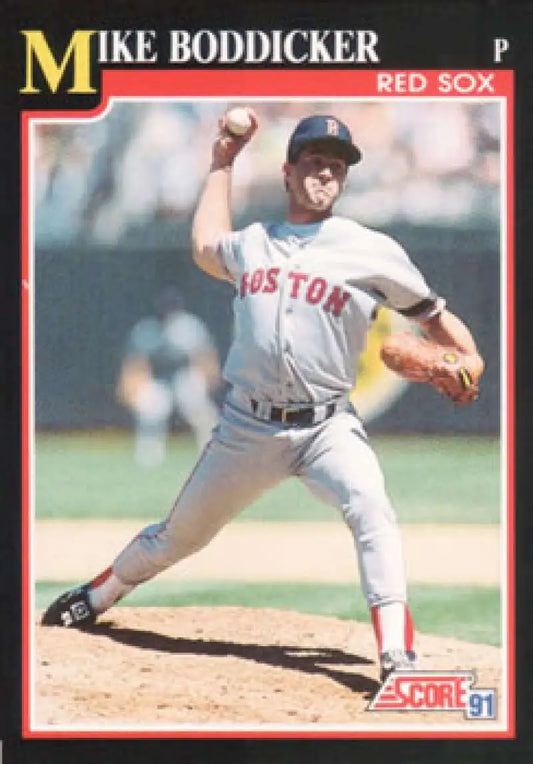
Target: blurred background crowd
{"points": [[142, 164], [113, 199]]}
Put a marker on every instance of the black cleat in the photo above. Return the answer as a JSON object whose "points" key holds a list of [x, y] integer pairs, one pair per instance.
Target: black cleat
{"points": [[396, 660], [72, 609]]}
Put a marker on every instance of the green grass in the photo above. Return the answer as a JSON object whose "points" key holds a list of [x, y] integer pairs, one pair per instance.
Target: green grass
{"points": [[430, 479], [467, 613]]}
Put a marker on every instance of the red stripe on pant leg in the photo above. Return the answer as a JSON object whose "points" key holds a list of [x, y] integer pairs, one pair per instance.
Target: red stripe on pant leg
{"points": [[100, 578], [409, 629], [376, 623]]}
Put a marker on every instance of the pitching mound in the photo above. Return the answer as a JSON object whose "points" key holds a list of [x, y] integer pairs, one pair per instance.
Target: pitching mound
{"points": [[164, 668]]}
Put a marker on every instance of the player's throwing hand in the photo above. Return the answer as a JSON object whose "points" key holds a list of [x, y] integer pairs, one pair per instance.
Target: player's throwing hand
{"points": [[227, 144]]}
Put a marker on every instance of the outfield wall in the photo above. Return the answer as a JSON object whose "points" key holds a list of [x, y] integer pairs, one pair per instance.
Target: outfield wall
{"points": [[87, 298]]}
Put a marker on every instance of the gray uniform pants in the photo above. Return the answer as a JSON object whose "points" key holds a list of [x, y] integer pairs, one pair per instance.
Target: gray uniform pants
{"points": [[245, 457]]}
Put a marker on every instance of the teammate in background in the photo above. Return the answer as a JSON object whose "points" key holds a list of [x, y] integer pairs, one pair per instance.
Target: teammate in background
{"points": [[170, 364], [306, 291]]}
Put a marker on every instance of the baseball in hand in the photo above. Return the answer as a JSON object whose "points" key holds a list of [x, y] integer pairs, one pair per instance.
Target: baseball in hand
{"points": [[238, 121]]}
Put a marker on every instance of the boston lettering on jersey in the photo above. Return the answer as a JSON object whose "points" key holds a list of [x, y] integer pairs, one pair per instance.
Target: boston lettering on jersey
{"points": [[314, 289]]}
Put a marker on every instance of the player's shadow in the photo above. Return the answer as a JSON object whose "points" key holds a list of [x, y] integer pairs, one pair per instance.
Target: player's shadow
{"points": [[296, 657]]}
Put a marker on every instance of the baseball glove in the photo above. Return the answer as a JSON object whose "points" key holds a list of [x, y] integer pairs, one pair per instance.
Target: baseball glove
{"points": [[452, 373]]}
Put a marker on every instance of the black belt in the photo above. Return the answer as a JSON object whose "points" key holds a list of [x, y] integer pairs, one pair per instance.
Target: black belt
{"points": [[292, 415]]}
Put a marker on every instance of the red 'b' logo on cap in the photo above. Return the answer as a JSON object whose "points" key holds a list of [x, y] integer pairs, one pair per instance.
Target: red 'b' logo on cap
{"points": [[332, 127]]}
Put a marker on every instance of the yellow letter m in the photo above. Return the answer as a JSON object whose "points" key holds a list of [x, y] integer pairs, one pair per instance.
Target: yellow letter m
{"points": [[78, 49]]}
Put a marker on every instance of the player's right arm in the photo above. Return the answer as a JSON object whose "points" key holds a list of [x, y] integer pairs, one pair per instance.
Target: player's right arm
{"points": [[212, 218], [135, 372]]}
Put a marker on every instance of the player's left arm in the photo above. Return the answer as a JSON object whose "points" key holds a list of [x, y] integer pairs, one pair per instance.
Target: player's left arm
{"points": [[447, 356], [447, 329]]}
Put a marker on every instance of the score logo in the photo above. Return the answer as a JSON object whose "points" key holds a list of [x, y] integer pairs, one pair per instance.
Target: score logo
{"points": [[435, 691]]}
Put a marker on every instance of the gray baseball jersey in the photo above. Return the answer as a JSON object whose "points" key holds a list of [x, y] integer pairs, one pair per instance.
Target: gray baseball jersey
{"points": [[306, 295]]}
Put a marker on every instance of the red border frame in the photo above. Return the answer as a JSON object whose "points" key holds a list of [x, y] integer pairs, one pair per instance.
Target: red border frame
{"points": [[277, 84]]}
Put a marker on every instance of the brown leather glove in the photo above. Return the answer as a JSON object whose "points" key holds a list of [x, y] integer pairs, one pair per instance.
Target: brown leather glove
{"points": [[452, 373]]}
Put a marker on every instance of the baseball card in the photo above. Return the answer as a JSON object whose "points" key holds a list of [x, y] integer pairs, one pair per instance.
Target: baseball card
{"points": [[266, 273]]}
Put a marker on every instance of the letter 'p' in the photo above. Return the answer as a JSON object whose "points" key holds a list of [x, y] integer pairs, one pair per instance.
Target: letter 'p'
{"points": [[501, 46]]}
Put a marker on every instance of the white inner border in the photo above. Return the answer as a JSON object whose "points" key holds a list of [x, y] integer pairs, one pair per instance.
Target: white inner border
{"points": [[502, 702]]}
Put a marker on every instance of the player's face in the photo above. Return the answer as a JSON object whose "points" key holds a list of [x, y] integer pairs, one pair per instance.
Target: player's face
{"points": [[316, 179]]}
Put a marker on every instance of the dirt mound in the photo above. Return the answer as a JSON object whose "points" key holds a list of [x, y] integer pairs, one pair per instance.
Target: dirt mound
{"points": [[180, 669]]}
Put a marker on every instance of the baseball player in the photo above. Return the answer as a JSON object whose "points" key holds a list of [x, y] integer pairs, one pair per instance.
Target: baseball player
{"points": [[170, 363], [306, 291]]}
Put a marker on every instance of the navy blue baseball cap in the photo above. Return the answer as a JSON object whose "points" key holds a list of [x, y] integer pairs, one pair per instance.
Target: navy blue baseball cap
{"points": [[323, 128]]}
